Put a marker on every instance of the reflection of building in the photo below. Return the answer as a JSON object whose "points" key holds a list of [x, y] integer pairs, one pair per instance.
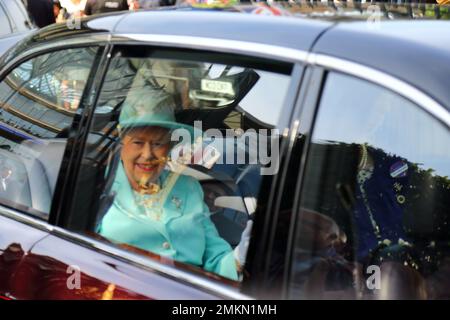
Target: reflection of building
{"points": [[32, 113], [40, 97]]}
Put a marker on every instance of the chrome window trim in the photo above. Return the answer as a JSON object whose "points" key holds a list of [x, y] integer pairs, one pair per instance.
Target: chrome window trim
{"points": [[214, 44], [117, 253], [25, 218], [384, 80]]}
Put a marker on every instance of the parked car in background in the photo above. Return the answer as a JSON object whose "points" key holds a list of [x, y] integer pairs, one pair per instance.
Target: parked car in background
{"points": [[15, 23], [333, 134]]}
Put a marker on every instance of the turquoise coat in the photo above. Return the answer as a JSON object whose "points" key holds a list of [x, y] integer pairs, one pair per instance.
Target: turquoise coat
{"points": [[183, 231]]}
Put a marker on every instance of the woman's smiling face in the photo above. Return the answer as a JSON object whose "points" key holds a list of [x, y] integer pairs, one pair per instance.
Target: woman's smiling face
{"points": [[144, 154]]}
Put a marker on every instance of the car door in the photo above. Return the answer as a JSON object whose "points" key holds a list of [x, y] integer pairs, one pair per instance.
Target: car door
{"points": [[372, 215], [227, 92], [40, 97]]}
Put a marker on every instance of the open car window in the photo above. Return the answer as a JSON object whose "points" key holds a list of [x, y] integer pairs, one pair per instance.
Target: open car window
{"points": [[176, 154]]}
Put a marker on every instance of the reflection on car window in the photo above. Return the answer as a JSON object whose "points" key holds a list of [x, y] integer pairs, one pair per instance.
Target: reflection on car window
{"points": [[373, 222], [180, 162], [59, 81], [18, 14], [260, 104], [36, 113], [382, 122], [5, 27]]}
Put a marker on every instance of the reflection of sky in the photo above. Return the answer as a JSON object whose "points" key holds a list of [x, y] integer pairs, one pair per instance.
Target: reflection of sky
{"points": [[358, 112], [266, 98], [45, 83]]}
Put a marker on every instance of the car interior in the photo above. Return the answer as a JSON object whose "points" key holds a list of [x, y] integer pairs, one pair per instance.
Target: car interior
{"points": [[29, 171], [230, 190]]}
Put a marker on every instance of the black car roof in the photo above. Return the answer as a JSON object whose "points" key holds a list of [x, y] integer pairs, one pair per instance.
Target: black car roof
{"points": [[415, 51], [285, 32]]}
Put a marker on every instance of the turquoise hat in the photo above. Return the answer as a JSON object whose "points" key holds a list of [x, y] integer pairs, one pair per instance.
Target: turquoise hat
{"points": [[151, 107]]}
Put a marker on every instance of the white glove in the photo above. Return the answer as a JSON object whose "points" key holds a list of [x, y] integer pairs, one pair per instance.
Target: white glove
{"points": [[240, 252]]}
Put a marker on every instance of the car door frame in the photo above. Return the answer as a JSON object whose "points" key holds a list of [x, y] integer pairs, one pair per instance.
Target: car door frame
{"points": [[210, 46]]}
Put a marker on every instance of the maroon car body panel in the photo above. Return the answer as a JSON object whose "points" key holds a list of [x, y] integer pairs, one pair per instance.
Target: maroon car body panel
{"points": [[16, 241], [51, 264]]}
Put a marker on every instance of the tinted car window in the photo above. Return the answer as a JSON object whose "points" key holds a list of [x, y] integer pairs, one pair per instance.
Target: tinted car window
{"points": [[38, 101], [374, 215], [18, 13], [206, 192], [5, 27]]}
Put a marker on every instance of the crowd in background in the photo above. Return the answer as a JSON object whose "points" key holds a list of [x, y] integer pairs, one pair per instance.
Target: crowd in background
{"points": [[45, 12]]}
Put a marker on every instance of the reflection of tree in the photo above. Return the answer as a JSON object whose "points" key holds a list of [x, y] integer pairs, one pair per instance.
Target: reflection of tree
{"points": [[343, 9], [35, 95], [50, 70]]}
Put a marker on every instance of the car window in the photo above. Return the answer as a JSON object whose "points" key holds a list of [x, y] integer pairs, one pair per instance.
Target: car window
{"points": [[5, 27], [374, 220], [18, 14], [38, 101], [173, 163]]}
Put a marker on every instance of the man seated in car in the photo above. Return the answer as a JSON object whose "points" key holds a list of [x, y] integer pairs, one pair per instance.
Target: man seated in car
{"points": [[160, 210]]}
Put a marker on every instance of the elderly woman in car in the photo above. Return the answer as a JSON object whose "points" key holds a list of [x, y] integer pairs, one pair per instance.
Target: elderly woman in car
{"points": [[160, 210]]}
